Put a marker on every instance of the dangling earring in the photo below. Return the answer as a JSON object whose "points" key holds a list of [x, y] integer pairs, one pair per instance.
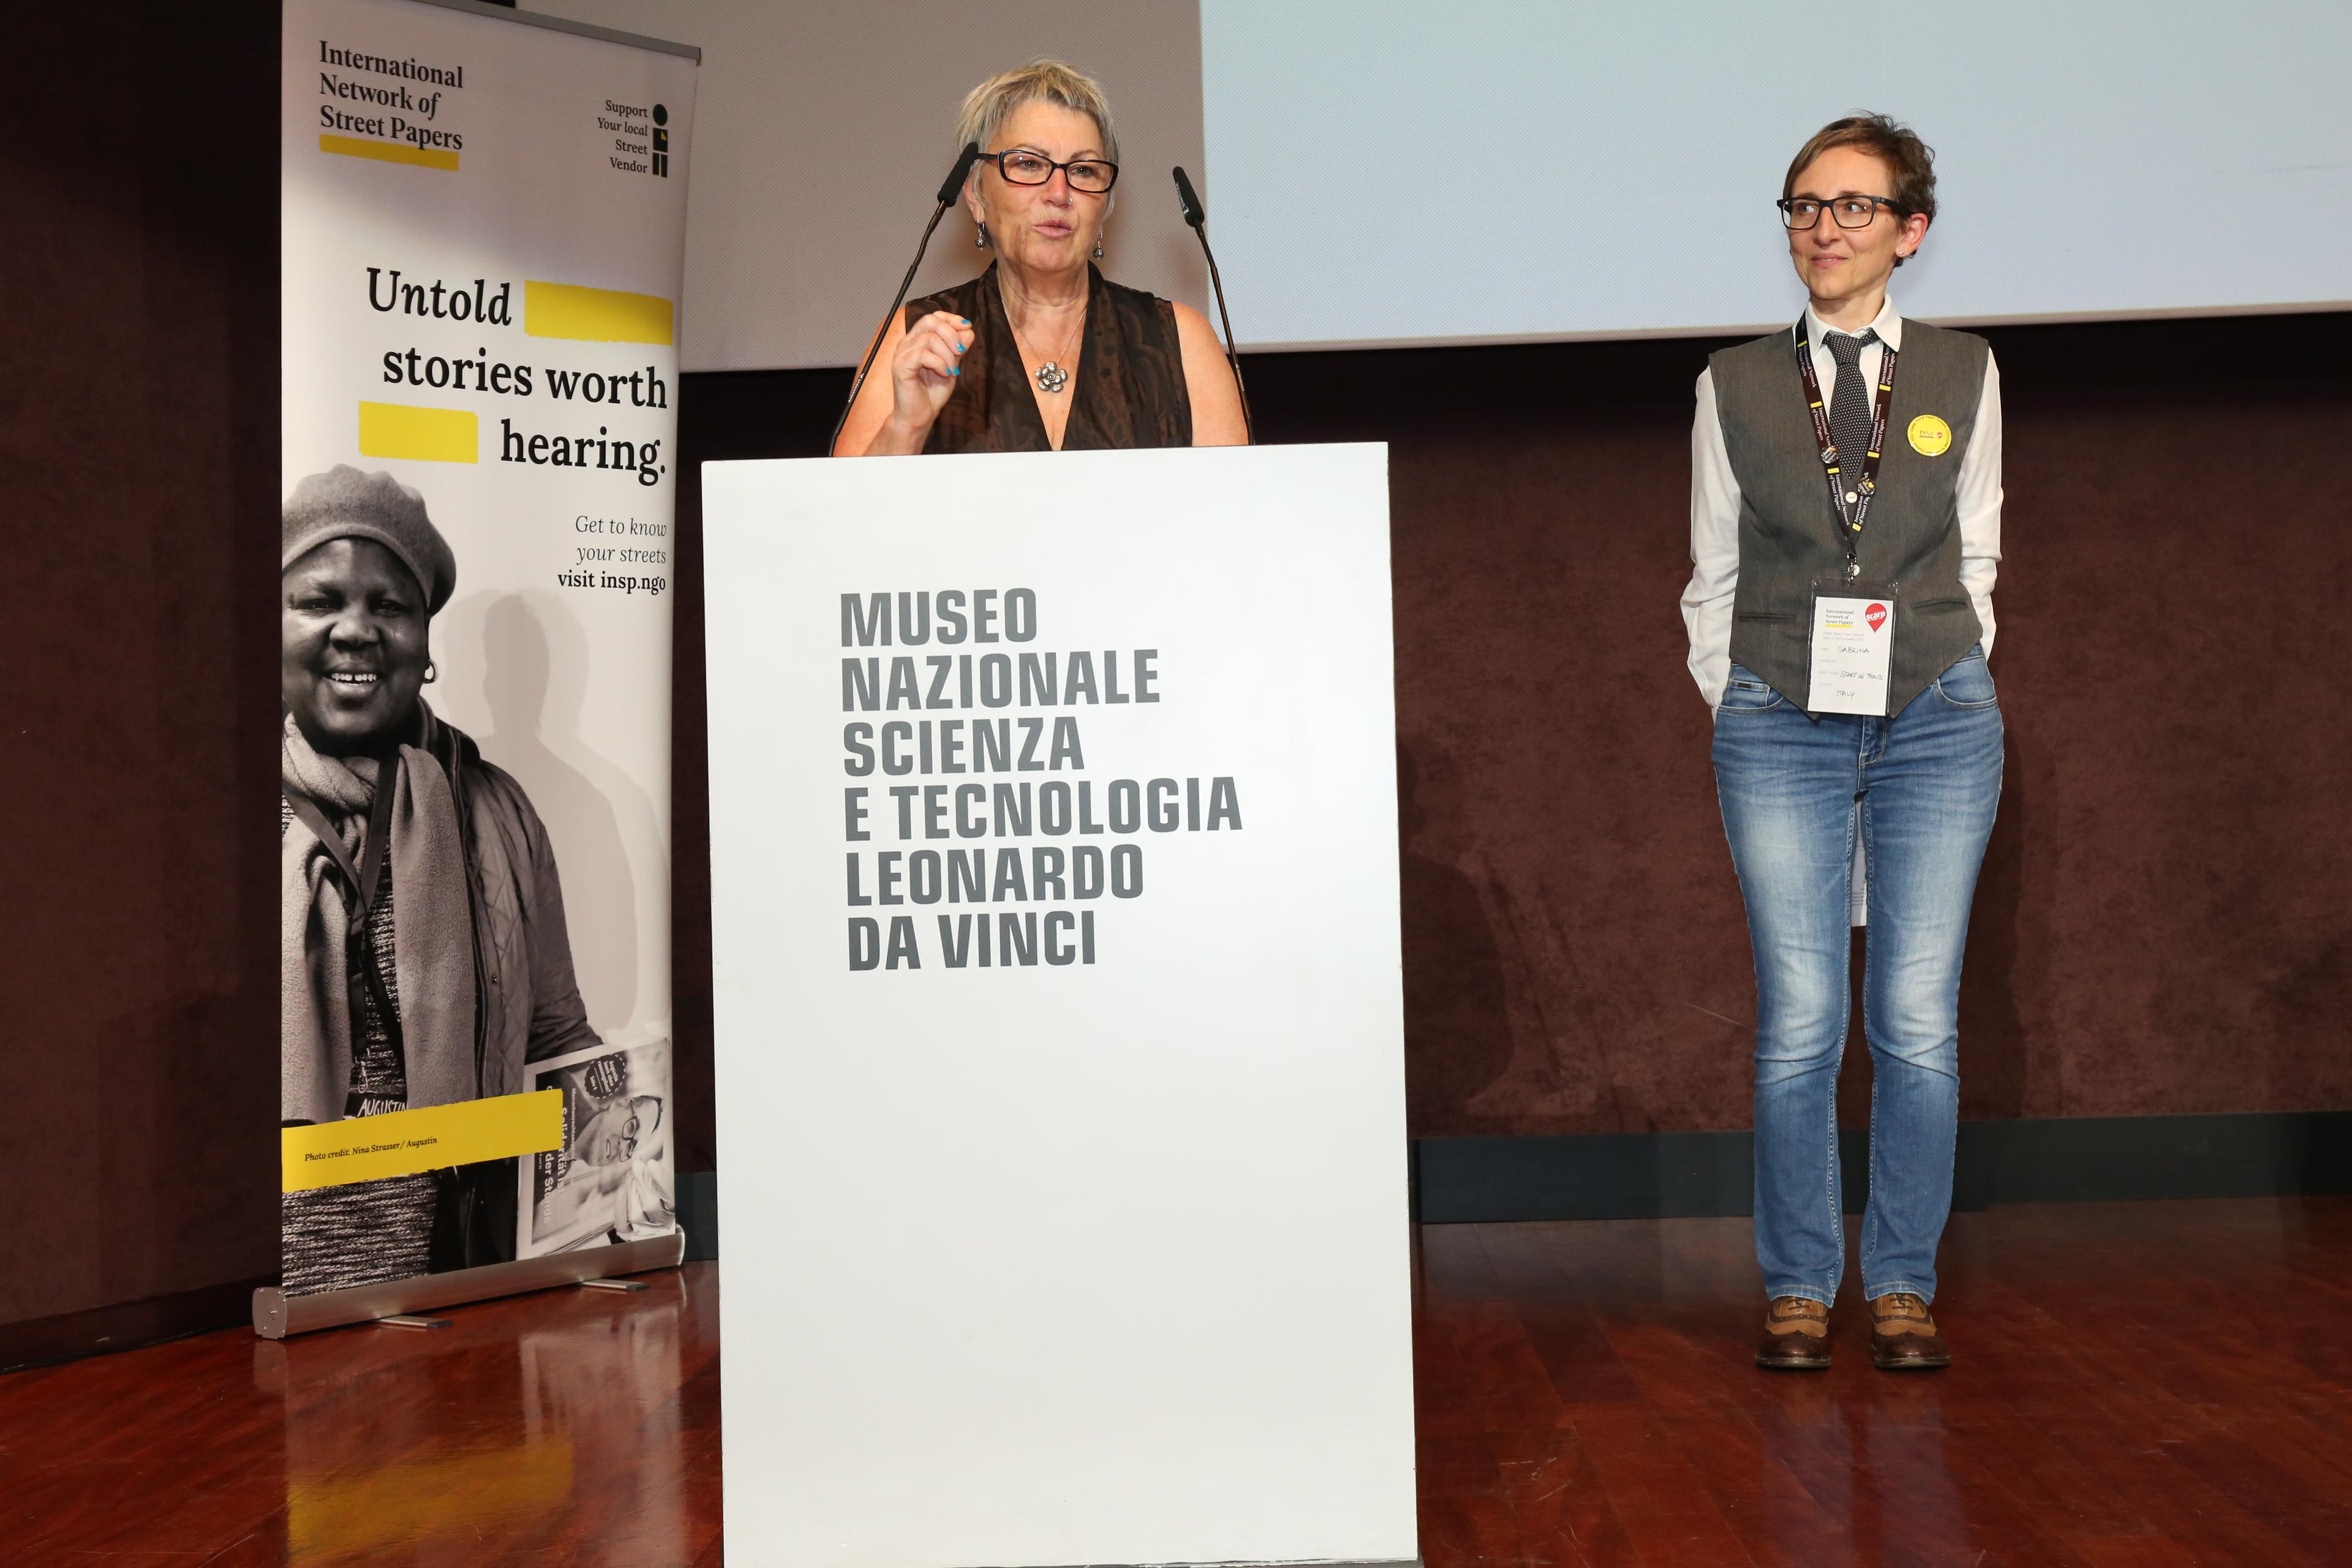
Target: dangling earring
{"points": [[1098, 245], [980, 240], [432, 672]]}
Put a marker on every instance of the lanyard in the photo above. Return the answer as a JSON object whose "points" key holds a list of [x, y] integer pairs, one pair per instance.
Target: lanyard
{"points": [[1850, 507]]}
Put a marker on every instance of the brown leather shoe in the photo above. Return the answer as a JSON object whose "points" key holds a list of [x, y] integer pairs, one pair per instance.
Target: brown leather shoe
{"points": [[1902, 1337], [1796, 1336]]}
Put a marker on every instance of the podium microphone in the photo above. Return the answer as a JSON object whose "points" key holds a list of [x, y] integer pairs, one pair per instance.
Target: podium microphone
{"points": [[1198, 217], [949, 191]]}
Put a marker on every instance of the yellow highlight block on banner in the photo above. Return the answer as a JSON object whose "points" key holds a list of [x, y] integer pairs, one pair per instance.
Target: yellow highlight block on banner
{"points": [[595, 315], [389, 153], [404, 1142], [426, 434]]}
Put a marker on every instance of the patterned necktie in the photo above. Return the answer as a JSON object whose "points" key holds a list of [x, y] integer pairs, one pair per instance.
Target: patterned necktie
{"points": [[1849, 404]]}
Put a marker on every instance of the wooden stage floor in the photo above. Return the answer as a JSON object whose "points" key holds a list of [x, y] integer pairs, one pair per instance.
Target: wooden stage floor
{"points": [[2137, 1385]]}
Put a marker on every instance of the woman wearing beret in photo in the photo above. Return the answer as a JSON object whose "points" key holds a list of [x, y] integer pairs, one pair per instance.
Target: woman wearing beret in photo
{"points": [[423, 953], [1041, 351]]}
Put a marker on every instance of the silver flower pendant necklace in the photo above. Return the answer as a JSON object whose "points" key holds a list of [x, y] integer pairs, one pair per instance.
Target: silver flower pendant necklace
{"points": [[1051, 376]]}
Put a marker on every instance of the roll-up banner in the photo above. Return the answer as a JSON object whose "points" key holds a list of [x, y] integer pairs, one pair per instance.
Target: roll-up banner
{"points": [[484, 227]]}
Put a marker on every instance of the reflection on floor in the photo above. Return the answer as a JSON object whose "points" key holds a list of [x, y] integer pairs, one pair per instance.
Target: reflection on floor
{"points": [[2137, 1385], [572, 1426]]}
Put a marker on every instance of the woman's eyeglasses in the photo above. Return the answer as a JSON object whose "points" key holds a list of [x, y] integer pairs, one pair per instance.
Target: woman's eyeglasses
{"points": [[1851, 212], [1091, 175]]}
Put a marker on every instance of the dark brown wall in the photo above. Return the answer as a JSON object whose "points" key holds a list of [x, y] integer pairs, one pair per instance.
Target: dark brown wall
{"points": [[2163, 923], [138, 500]]}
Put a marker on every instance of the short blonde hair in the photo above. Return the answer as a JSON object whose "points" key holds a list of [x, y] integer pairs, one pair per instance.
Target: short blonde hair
{"points": [[986, 106]]}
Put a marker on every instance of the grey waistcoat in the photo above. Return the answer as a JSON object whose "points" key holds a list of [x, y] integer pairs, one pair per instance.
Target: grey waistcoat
{"points": [[1788, 537]]}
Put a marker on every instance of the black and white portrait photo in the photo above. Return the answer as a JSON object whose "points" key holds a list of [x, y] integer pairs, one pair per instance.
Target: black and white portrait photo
{"points": [[425, 956]]}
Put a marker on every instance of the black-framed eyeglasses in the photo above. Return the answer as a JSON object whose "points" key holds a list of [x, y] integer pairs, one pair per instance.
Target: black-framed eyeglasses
{"points": [[1851, 212], [1091, 175]]}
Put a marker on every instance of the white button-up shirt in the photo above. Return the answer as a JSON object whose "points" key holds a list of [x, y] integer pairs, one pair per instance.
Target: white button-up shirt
{"points": [[1715, 504]]}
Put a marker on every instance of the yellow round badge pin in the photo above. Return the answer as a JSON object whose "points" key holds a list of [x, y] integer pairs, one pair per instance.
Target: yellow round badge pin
{"points": [[1930, 437]]}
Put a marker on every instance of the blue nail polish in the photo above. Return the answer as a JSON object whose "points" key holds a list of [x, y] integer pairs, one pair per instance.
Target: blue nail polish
{"points": [[963, 321], [960, 348], [955, 370]]}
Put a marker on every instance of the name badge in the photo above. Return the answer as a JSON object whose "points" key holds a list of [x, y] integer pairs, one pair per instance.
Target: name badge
{"points": [[1852, 650]]}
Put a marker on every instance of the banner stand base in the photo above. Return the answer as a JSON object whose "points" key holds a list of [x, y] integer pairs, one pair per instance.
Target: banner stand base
{"points": [[276, 1315]]}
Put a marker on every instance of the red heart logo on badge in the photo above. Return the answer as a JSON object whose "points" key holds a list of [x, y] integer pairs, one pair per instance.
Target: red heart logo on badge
{"points": [[1875, 615]]}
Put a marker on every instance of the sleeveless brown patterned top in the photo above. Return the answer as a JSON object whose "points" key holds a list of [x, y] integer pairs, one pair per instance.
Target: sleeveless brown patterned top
{"points": [[1127, 389]]}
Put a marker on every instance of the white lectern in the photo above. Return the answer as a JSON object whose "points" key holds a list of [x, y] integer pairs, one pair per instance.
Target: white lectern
{"points": [[1058, 1015]]}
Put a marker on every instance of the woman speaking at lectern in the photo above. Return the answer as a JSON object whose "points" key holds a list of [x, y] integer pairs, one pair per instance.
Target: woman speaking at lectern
{"points": [[1041, 351]]}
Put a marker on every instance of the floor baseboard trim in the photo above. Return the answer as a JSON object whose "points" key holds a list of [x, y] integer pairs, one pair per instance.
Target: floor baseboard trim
{"points": [[1656, 1175], [126, 1325]]}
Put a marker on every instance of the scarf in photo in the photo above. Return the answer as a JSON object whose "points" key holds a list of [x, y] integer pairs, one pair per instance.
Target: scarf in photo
{"points": [[433, 931]]}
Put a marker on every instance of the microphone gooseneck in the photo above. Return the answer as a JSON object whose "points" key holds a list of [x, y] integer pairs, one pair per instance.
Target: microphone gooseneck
{"points": [[949, 191], [1197, 217]]}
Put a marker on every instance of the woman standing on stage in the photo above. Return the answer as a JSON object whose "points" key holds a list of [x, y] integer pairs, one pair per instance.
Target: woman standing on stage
{"points": [[1041, 352], [1846, 534]]}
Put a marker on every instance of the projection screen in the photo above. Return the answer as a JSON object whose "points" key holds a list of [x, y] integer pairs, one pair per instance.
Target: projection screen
{"points": [[1384, 174], [1394, 173]]}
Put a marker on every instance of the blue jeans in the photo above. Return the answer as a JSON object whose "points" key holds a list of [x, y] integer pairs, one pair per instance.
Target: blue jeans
{"points": [[1927, 781]]}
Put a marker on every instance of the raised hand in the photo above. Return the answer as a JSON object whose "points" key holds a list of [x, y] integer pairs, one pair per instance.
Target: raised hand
{"points": [[923, 370]]}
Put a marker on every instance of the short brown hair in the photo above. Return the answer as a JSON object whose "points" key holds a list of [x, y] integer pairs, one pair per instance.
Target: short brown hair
{"points": [[1912, 160]]}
